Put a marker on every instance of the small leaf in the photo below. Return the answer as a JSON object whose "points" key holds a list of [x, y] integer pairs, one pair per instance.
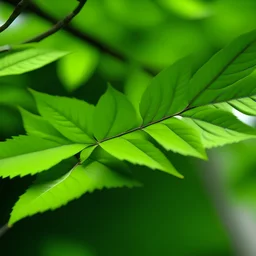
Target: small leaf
{"points": [[166, 95], [85, 61], [39, 127], [71, 117], [218, 127], [174, 134], [26, 58], [25, 155], [49, 194], [140, 152], [114, 114], [224, 76]]}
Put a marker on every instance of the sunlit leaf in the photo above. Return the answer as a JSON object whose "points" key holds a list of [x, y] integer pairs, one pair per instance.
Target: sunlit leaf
{"points": [[140, 152], [25, 155], [176, 135], [23, 59], [71, 117], [114, 114], [48, 194]]}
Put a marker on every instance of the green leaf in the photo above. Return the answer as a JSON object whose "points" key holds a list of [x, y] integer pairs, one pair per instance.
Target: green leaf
{"points": [[39, 127], [246, 105], [218, 127], [176, 135], [114, 114], [85, 60], [140, 152], [49, 194], [26, 58], [85, 154], [224, 76], [71, 117], [25, 155], [166, 95]]}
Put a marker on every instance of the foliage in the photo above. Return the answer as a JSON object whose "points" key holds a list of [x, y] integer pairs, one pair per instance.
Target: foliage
{"points": [[181, 110]]}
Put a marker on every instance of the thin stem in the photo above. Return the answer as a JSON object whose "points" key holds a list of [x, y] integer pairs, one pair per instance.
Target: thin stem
{"points": [[144, 126], [17, 11], [4, 229], [82, 35], [59, 25]]}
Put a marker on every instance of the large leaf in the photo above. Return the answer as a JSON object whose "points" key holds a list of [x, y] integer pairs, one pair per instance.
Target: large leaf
{"points": [[51, 193], [176, 135], [218, 127], [25, 155], [71, 117], [246, 105], [114, 114], [26, 58], [140, 152], [38, 126], [166, 95], [224, 76]]}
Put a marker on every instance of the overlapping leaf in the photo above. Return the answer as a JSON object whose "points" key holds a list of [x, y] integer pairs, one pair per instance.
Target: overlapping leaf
{"points": [[49, 193], [245, 105], [218, 127], [227, 75], [166, 95], [111, 132], [25, 155], [71, 117], [114, 114], [38, 126], [174, 134], [22, 59], [140, 152]]}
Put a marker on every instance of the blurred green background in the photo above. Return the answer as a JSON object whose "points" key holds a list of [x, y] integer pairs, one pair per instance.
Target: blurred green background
{"points": [[209, 213]]}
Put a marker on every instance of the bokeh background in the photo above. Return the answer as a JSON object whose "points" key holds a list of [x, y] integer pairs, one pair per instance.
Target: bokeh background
{"points": [[212, 212]]}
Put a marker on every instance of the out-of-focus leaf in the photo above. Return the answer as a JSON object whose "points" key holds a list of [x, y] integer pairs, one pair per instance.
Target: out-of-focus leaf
{"points": [[22, 59], [189, 9], [76, 68]]}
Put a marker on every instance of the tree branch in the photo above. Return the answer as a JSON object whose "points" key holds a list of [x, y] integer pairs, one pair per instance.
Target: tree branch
{"points": [[17, 11], [83, 36], [59, 25]]}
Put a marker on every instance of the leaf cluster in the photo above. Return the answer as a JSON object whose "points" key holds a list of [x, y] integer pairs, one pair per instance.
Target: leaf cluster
{"points": [[182, 110]]}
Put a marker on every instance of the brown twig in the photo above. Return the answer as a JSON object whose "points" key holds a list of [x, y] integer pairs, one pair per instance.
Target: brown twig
{"points": [[59, 25], [83, 36], [17, 11]]}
